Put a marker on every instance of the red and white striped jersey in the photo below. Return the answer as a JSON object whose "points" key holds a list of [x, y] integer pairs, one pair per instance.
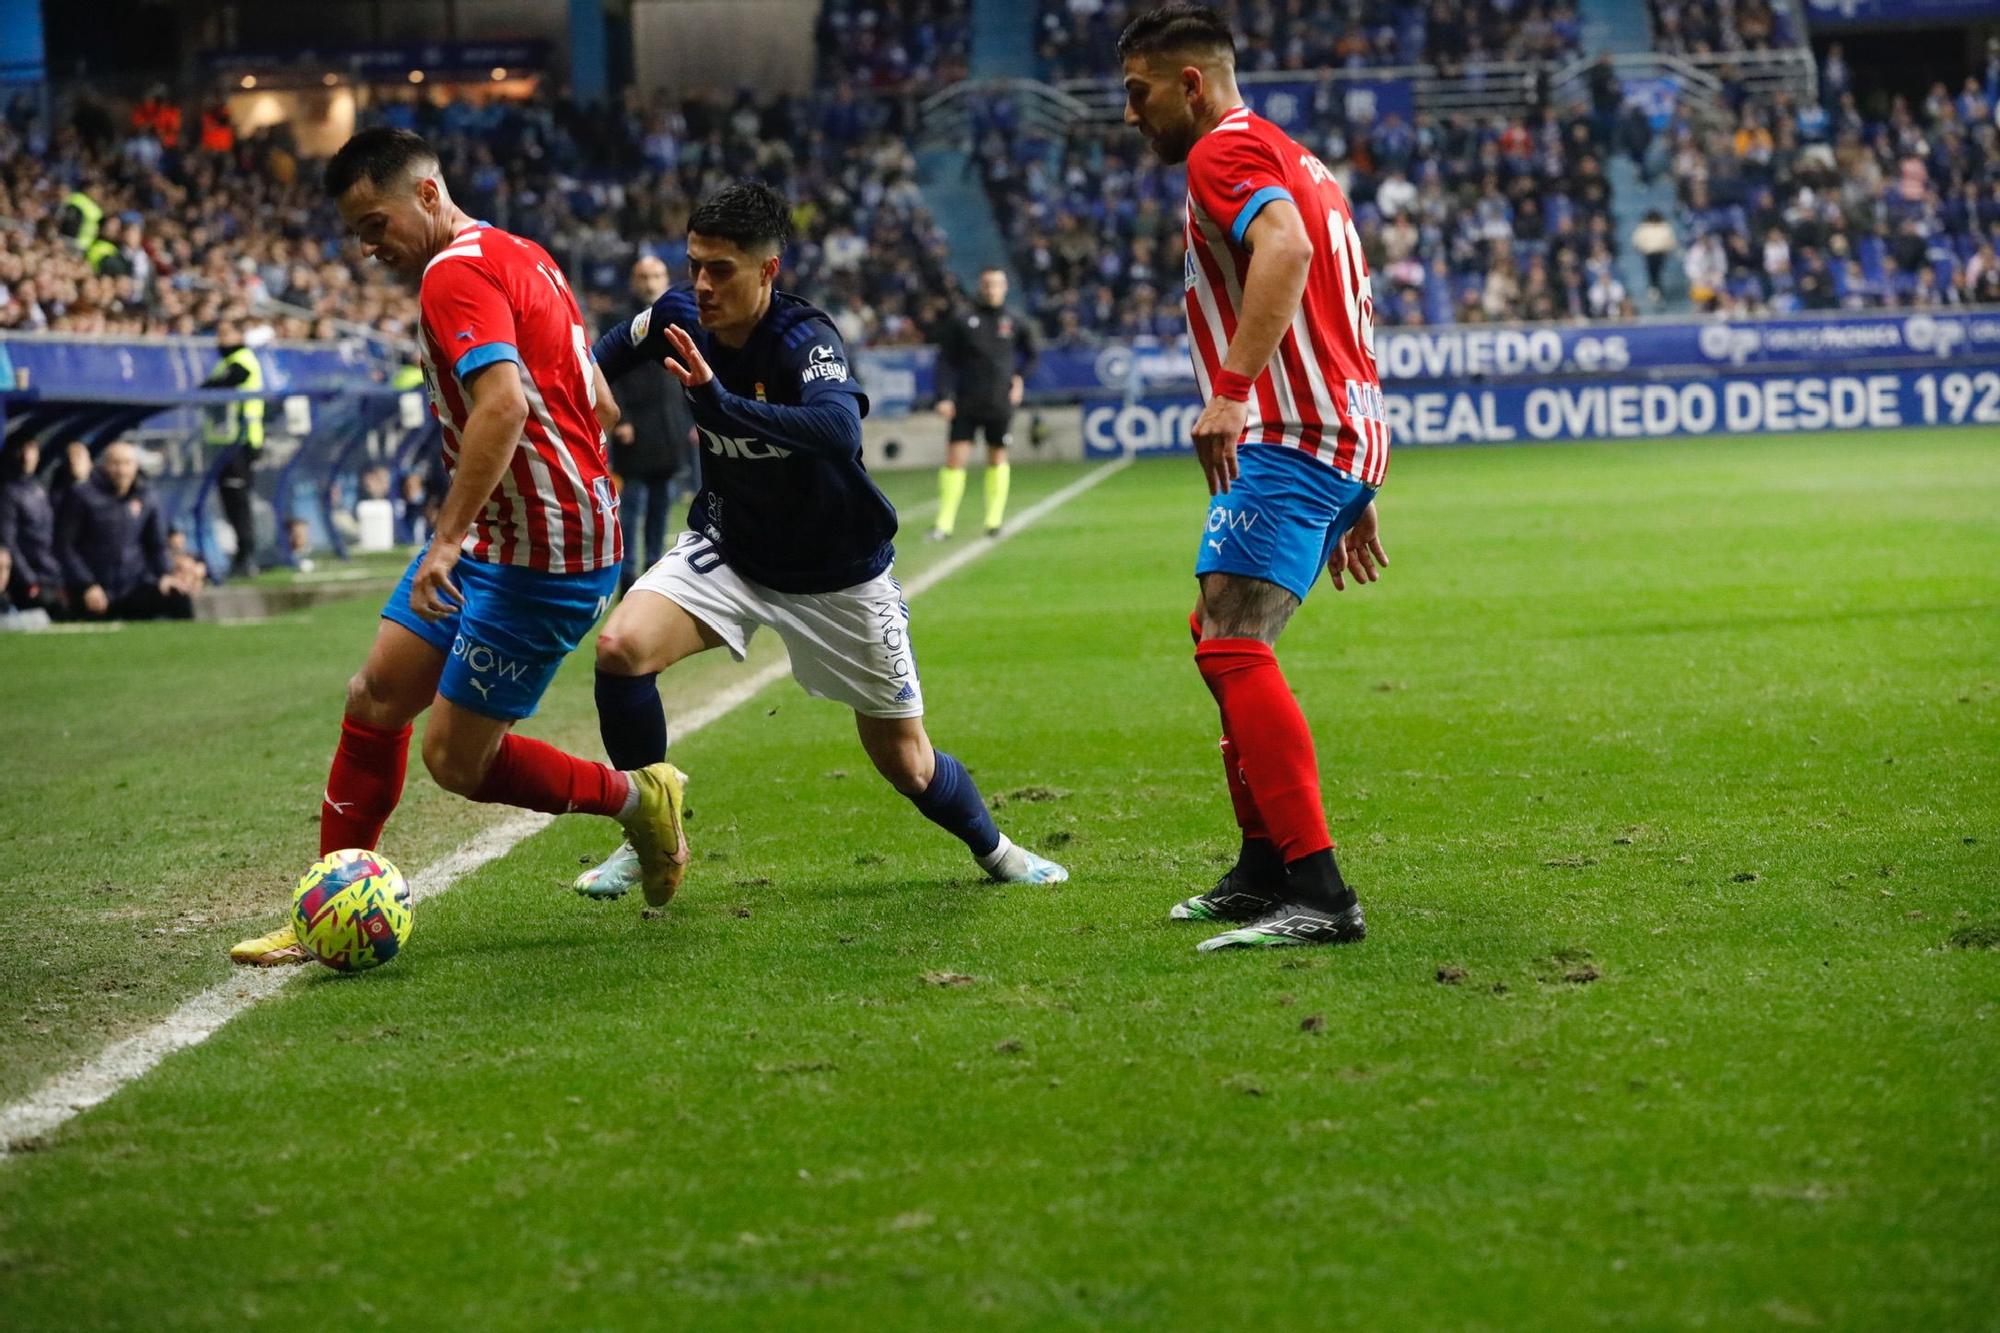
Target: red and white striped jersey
{"points": [[1320, 393], [488, 297]]}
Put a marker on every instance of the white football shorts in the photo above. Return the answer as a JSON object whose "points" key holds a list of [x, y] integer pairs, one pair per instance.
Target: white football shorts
{"points": [[851, 646]]}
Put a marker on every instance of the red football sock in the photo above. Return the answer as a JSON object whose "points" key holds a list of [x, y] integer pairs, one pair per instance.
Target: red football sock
{"points": [[538, 776], [1273, 747], [1247, 817], [363, 785]]}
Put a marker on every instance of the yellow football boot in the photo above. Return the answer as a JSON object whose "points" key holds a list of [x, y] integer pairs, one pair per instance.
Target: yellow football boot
{"points": [[280, 948], [655, 831]]}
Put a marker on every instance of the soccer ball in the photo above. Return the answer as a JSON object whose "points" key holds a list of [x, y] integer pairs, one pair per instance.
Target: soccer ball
{"points": [[352, 910]]}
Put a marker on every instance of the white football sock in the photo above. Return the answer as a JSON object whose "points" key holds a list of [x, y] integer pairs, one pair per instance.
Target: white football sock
{"points": [[992, 859]]}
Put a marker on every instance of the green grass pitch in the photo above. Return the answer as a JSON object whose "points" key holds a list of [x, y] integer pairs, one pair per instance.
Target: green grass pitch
{"points": [[1669, 774]]}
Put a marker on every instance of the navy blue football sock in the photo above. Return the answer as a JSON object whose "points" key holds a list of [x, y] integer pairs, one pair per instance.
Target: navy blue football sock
{"points": [[954, 804], [630, 720]]}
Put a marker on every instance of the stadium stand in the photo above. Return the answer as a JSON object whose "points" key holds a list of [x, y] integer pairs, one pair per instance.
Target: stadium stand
{"points": [[190, 236], [895, 45], [1462, 220], [598, 191], [1818, 206], [1705, 27], [1076, 35], [115, 231]]}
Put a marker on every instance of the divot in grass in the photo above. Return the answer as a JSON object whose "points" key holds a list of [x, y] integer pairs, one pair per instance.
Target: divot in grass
{"points": [[1985, 935]]}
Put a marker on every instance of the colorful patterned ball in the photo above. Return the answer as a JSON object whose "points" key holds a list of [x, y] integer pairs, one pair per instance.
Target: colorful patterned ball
{"points": [[352, 910]]}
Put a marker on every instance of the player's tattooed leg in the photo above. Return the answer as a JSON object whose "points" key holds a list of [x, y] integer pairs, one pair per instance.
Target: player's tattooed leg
{"points": [[1234, 606]]}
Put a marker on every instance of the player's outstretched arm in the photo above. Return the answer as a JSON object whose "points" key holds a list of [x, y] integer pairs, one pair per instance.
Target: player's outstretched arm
{"points": [[633, 341], [829, 425], [1280, 254]]}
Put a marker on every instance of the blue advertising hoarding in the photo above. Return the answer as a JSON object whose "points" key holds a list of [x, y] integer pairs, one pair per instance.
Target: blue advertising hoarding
{"points": [[81, 366], [1614, 407], [1288, 103], [1902, 13], [1702, 345], [899, 377]]}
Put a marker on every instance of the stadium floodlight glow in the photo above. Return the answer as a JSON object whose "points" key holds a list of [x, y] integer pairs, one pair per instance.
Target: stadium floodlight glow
{"points": [[249, 81], [416, 76], [499, 74]]}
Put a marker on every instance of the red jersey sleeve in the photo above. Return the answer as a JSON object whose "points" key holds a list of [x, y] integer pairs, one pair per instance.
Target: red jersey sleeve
{"points": [[1232, 174], [468, 315]]}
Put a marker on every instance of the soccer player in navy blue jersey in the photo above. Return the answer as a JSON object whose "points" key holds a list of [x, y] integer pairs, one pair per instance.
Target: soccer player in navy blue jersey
{"points": [[788, 530]]}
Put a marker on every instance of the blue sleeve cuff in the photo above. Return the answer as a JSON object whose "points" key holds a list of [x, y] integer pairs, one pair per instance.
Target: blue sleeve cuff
{"points": [[1255, 205], [483, 356]]}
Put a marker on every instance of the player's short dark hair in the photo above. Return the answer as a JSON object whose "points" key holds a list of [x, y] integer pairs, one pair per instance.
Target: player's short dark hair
{"points": [[377, 155], [1174, 28], [750, 213]]}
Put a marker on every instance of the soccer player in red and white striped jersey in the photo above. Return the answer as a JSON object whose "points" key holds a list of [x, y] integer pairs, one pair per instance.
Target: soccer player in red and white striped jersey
{"points": [[527, 549], [491, 296], [1293, 443], [1319, 392]]}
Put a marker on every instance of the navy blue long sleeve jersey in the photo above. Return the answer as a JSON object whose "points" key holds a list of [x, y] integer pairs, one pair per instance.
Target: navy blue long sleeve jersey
{"points": [[784, 495]]}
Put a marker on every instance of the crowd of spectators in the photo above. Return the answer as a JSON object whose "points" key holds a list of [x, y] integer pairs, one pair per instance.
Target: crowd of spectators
{"points": [[1716, 27], [893, 45], [1823, 206], [107, 227], [1788, 207], [1079, 38], [866, 246], [194, 233], [1461, 220]]}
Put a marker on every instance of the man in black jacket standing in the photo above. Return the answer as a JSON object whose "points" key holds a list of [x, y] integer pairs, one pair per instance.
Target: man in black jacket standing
{"points": [[985, 354], [649, 446], [112, 543], [28, 529]]}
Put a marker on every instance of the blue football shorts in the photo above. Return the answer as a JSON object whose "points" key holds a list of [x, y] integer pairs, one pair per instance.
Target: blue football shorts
{"points": [[1279, 519], [515, 628]]}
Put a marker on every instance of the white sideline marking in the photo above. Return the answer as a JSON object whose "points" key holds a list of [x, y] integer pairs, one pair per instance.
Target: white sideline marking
{"points": [[69, 1094], [96, 1079], [1033, 514]]}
